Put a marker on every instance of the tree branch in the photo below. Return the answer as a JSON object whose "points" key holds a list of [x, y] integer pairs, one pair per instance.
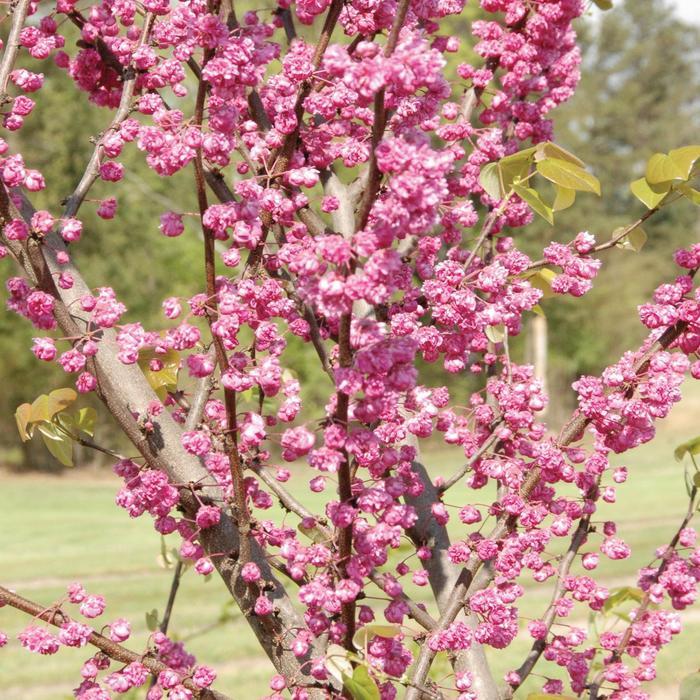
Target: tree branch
{"points": [[125, 392], [57, 617], [9, 56], [92, 169], [485, 446]]}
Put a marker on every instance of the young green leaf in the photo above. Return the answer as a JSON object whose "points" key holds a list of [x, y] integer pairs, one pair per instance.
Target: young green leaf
{"points": [[496, 334], [164, 379], [689, 193], [152, 620], [548, 149], [361, 685], [603, 4], [337, 662], [534, 201], [57, 443], [564, 198], [59, 399], [40, 409], [490, 180], [515, 167], [691, 447], [648, 197], [542, 280], [368, 632], [569, 175], [85, 420], [685, 158], [23, 416], [634, 240], [661, 168]]}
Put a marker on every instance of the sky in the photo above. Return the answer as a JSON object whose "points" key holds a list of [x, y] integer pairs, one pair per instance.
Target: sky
{"points": [[689, 10]]}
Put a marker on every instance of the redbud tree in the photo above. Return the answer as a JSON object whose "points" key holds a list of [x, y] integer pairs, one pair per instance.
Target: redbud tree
{"points": [[354, 192]]}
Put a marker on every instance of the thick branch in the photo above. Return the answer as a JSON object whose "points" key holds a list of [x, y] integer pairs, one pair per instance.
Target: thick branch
{"points": [[126, 393], [444, 577]]}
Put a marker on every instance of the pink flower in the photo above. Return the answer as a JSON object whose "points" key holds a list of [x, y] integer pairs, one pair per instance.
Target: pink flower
{"points": [[263, 605], [615, 548], [250, 572], [74, 634], [196, 442], [44, 349], [93, 606], [171, 224], [38, 640], [208, 516], [76, 593], [71, 230], [119, 630]]}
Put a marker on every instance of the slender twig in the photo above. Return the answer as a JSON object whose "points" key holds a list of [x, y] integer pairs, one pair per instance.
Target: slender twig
{"points": [[374, 176], [177, 575], [422, 617], [279, 160], [609, 243], [290, 503], [486, 229], [577, 540], [344, 475], [106, 54], [163, 627], [84, 442], [92, 169], [57, 618], [594, 687], [243, 517], [483, 448], [287, 19]]}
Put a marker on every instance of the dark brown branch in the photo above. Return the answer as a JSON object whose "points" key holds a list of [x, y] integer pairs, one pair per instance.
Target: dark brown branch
{"points": [[57, 617], [93, 167], [242, 513], [279, 159], [379, 123], [608, 244]]}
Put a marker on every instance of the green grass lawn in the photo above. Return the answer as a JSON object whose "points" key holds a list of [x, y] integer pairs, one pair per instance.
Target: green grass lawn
{"points": [[54, 530]]}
